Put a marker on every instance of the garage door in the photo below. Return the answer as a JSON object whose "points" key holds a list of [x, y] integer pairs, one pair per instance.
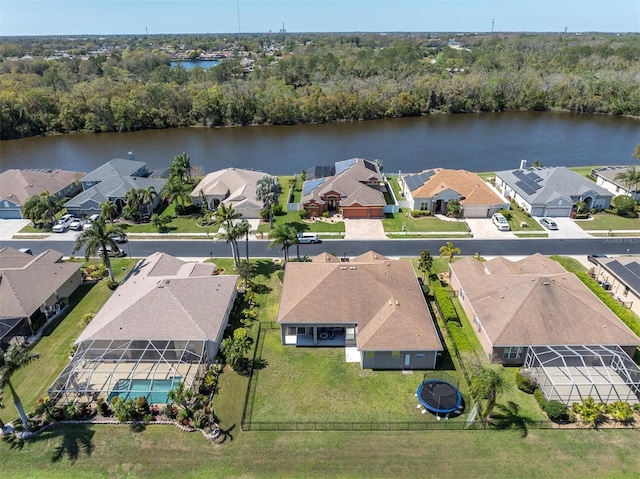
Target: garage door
{"points": [[558, 211]]}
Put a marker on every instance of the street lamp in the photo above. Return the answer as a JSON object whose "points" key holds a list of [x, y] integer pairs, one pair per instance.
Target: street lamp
{"points": [[211, 256], [406, 218]]}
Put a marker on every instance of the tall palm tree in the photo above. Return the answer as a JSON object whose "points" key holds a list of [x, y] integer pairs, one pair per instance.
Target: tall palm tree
{"points": [[244, 228], [448, 250], [181, 167], [283, 235], [224, 218], [10, 361], [629, 178], [108, 210], [230, 237], [133, 200], [268, 191], [42, 208], [99, 239], [175, 190], [148, 196]]}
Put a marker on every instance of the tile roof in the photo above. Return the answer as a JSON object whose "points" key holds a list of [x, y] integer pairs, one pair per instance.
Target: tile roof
{"points": [[470, 187], [18, 185], [381, 296], [166, 298], [27, 283], [536, 302]]}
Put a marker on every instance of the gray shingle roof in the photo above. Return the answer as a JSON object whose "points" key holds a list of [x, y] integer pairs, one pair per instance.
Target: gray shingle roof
{"points": [[113, 188], [115, 167], [556, 182]]}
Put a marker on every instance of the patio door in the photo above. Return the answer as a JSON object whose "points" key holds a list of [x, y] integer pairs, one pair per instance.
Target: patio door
{"points": [[407, 361]]}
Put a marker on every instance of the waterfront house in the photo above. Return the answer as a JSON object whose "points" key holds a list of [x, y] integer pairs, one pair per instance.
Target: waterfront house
{"points": [[551, 191], [16, 186], [621, 277], [606, 178], [433, 189]]}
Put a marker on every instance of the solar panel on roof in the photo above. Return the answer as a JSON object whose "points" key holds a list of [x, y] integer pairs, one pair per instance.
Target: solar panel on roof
{"points": [[425, 175], [535, 186], [534, 177], [370, 165], [344, 165], [525, 187], [412, 182], [521, 175], [311, 185], [630, 275]]}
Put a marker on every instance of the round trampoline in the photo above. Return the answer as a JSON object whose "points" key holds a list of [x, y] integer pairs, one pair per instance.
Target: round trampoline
{"points": [[439, 396]]}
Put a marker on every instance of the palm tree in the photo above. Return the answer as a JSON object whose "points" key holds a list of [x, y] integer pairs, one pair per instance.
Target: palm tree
{"points": [[244, 228], [268, 191], [42, 208], [180, 167], [148, 196], [224, 217], [283, 235], [134, 202], [10, 361], [175, 190], [109, 210], [99, 239], [425, 263], [629, 178], [449, 250], [486, 385]]}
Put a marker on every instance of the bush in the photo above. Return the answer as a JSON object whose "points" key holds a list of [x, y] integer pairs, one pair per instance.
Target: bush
{"points": [[556, 410], [102, 407], [625, 206], [419, 213], [459, 338], [625, 315], [525, 384], [278, 210], [446, 306], [180, 210], [506, 214], [304, 214], [112, 285], [86, 319], [99, 271], [582, 216], [542, 401], [325, 214]]}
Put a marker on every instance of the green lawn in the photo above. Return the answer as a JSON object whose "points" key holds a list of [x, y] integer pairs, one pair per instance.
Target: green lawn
{"points": [[395, 186], [606, 221], [396, 221], [32, 381], [518, 217]]}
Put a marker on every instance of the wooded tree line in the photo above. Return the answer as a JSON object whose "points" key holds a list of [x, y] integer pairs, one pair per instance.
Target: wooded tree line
{"points": [[323, 79]]}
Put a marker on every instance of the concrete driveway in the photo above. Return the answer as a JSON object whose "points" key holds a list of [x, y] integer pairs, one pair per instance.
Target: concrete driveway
{"points": [[8, 228], [567, 229], [483, 228], [363, 229]]}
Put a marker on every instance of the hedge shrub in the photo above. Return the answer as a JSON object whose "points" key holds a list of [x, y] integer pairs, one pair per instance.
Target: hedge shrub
{"points": [[506, 214], [626, 316], [459, 338], [524, 384], [542, 401], [418, 213], [446, 306], [556, 410]]}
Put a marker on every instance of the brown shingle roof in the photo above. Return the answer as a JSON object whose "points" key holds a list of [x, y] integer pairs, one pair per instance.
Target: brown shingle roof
{"points": [[18, 185], [166, 298], [465, 183], [536, 302], [382, 297]]}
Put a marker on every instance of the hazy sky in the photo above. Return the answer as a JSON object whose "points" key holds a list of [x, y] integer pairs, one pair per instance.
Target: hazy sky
{"points": [[67, 17]]}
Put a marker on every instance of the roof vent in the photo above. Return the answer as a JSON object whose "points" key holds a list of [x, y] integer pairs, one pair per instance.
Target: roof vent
{"points": [[546, 283], [390, 303], [397, 303]]}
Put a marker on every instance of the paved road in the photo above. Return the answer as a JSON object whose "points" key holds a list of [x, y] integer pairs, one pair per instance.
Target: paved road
{"points": [[505, 247]]}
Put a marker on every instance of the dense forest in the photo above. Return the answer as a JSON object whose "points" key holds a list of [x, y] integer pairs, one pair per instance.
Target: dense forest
{"points": [[315, 78]]}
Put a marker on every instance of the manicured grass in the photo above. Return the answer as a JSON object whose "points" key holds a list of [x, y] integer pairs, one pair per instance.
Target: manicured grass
{"points": [[570, 264], [606, 221], [32, 381], [395, 186], [531, 235], [518, 217], [293, 217], [583, 170], [396, 221]]}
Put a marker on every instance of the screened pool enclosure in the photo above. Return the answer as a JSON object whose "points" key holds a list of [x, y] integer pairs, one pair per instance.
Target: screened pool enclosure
{"points": [[130, 368], [571, 374]]}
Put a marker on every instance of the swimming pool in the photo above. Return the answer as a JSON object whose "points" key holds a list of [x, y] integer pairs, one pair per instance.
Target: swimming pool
{"points": [[155, 390]]}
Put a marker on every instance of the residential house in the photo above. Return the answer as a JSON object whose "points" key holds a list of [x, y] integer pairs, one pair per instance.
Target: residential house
{"points": [[32, 288], [16, 186], [551, 191], [111, 182], [514, 305], [433, 189], [233, 187], [371, 303], [355, 189], [163, 325], [606, 178], [621, 277]]}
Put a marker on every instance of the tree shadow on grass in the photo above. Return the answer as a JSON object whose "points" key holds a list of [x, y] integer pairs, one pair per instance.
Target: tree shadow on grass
{"points": [[249, 364], [74, 440], [508, 416], [266, 267], [225, 434]]}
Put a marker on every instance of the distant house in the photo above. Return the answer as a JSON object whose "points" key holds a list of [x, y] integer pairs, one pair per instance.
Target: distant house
{"points": [[621, 277], [16, 186], [605, 177], [112, 181], [354, 188], [533, 302], [433, 189], [32, 288], [371, 303], [551, 191], [233, 187], [163, 326]]}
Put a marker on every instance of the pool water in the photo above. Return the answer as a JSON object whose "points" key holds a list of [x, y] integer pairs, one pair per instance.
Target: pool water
{"points": [[154, 390]]}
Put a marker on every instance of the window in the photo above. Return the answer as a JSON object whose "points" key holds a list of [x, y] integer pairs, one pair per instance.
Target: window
{"points": [[302, 330], [350, 334], [424, 205], [512, 352], [395, 354], [462, 294], [476, 323], [291, 330], [626, 291], [420, 355]]}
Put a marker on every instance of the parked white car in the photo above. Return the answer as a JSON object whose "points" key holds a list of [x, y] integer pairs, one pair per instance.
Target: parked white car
{"points": [[308, 238], [76, 224], [63, 224], [501, 222], [87, 224]]}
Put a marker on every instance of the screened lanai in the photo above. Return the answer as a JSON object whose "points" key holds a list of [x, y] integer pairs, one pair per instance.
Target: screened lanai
{"points": [[572, 373], [150, 368]]}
